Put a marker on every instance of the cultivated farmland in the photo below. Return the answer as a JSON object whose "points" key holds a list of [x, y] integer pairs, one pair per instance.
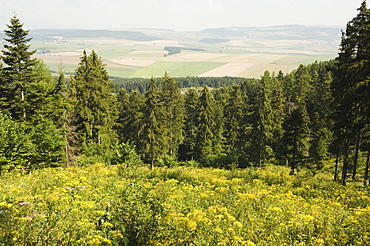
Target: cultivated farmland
{"points": [[247, 52]]}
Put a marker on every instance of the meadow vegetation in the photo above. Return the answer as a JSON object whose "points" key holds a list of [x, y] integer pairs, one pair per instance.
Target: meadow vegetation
{"points": [[114, 205]]}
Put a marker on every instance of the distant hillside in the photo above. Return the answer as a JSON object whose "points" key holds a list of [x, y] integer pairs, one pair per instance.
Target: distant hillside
{"points": [[287, 32], [213, 40], [72, 33]]}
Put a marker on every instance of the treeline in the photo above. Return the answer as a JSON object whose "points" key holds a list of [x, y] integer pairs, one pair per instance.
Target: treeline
{"points": [[280, 118], [301, 119], [141, 84]]}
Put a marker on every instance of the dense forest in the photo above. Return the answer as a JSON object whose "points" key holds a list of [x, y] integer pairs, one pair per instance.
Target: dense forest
{"points": [[303, 119]]}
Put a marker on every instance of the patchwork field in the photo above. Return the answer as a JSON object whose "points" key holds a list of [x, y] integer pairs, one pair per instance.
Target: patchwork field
{"points": [[245, 54]]}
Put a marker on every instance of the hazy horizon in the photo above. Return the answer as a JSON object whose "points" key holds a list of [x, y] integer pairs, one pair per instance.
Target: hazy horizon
{"points": [[178, 15]]}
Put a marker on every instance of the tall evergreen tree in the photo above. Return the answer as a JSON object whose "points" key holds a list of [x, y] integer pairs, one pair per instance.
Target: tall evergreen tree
{"points": [[17, 72], [130, 108], [351, 87], [296, 126], [94, 104], [278, 104], [319, 107], [262, 131], [234, 127], [188, 149], [174, 109], [153, 133], [206, 125]]}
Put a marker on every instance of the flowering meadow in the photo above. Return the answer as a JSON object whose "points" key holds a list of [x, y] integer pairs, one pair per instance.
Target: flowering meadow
{"points": [[111, 205]]}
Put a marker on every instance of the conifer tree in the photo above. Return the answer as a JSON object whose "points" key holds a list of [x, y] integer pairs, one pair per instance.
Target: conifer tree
{"points": [[94, 113], [234, 115], [262, 131], [296, 126], [174, 110], [319, 107], [220, 100], [206, 124], [350, 86], [278, 106], [153, 133], [188, 149], [130, 108], [17, 71]]}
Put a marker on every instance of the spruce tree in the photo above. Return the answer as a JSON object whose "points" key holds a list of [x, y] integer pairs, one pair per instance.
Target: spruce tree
{"points": [[188, 148], [278, 106], [153, 133], [130, 108], [17, 71], [262, 131], [174, 109], [206, 124], [296, 126], [234, 115], [350, 86], [220, 100], [319, 107], [94, 112]]}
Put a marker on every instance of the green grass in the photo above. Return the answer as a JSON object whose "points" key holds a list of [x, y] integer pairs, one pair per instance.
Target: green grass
{"points": [[123, 72]]}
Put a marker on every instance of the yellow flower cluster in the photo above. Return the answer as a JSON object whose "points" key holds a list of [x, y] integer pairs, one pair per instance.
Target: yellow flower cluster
{"points": [[101, 205]]}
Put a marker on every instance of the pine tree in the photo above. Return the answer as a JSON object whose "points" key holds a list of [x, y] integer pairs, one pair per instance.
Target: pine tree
{"points": [[278, 105], [174, 109], [319, 107], [220, 96], [350, 86], [206, 125], [17, 72], [153, 133], [188, 149], [262, 131], [130, 108], [234, 115], [296, 126], [94, 112]]}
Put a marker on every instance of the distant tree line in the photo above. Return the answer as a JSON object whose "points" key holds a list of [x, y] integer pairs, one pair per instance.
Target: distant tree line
{"points": [[305, 118], [141, 84]]}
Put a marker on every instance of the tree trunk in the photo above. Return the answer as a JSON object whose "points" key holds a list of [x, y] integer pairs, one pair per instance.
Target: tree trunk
{"points": [[345, 160], [356, 154], [366, 175]]}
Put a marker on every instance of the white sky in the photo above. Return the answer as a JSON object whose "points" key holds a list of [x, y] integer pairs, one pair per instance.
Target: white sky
{"points": [[179, 15]]}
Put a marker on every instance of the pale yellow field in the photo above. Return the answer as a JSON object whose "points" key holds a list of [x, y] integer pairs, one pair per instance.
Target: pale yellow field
{"points": [[133, 62], [229, 69]]}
